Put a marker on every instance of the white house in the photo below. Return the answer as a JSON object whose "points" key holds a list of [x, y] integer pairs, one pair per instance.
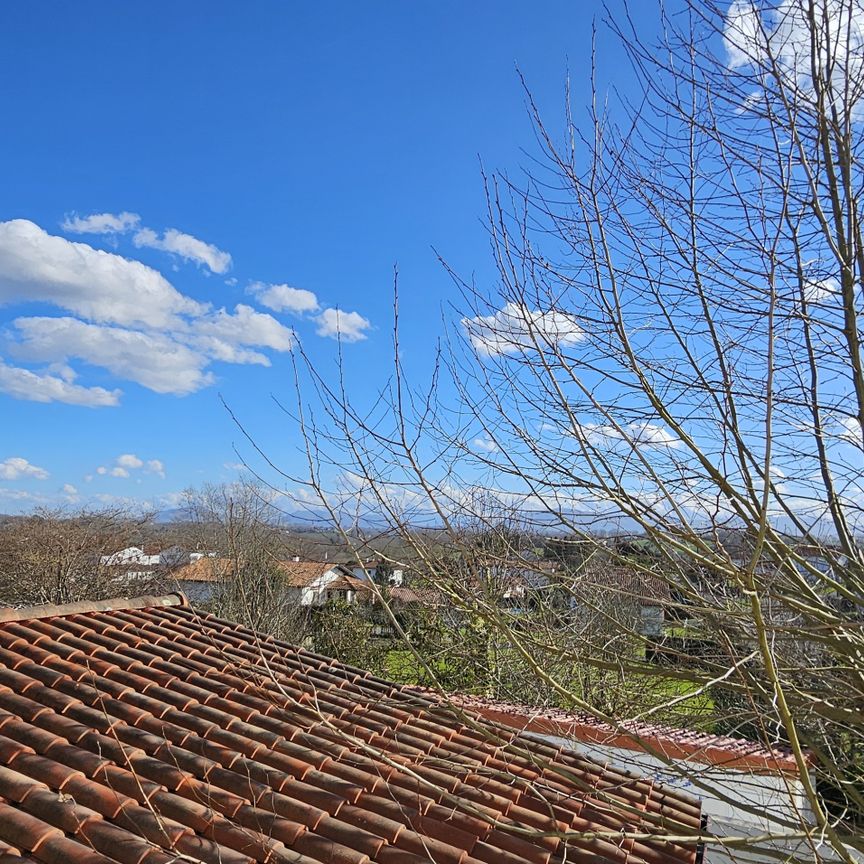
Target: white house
{"points": [[369, 570], [306, 583], [130, 556]]}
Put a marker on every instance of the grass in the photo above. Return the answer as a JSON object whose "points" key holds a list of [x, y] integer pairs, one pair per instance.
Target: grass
{"points": [[641, 692]]}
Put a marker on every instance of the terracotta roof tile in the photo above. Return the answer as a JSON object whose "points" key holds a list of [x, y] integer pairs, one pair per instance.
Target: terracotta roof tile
{"points": [[138, 734], [672, 743], [297, 574]]}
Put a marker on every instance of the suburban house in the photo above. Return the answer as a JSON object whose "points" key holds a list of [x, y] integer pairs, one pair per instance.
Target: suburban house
{"points": [[306, 583], [131, 555], [145, 732], [141, 563], [644, 596], [370, 569], [743, 787]]}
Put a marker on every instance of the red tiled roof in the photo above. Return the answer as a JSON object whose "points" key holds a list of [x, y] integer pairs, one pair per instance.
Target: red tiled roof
{"points": [[298, 574], [152, 734], [301, 573], [207, 569], [419, 596], [704, 747], [351, 583]]}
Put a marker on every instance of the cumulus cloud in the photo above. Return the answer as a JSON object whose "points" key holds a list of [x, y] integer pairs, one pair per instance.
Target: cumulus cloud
{"points": [[486, 444], [42, 387], [70, 490], [245, 326], [640, 434], [849, 430], [127, 463], [284, 298], [165, 362], [155, 466], [129, 460], [780, 37], [17, 467], [516, 328], [155, 361], [125, 317], [336, 324], [101, 223], [821, 290], [38, 267], [185, 246]]}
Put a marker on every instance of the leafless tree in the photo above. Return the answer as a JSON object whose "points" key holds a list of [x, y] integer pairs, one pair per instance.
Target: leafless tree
{"points": [[672, 351], [235, 526], [61, 556]]}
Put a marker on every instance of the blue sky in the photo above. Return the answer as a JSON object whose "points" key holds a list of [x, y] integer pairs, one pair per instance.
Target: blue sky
{"points": [[238, 147]]}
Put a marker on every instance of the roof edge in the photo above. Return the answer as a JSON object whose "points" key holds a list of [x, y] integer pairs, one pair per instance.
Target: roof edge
{"points": [[177, 598], [653, 744]]}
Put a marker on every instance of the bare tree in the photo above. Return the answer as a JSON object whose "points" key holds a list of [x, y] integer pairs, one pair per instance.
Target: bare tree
{"points": [[672, 350], [61, 556], [236, 528]]}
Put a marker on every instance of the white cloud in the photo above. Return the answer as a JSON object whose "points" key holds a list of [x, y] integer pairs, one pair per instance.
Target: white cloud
{"points": [[284, 298], [40, 387], [780, 38], [21, 495], [516, 328], [156, 361], [819, 291], [70, 490], [486, 444], [850, 430], [172, 361], [641, 434], [16, 467], [741, 34], [101, 223], [245, 326], [127, 463], [129, 320], [186, 246], [155, 466], [348, 326], [38, 267]]}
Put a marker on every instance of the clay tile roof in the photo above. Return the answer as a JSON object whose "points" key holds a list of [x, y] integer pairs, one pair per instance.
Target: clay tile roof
{"points": [[205, 569], [419, 596], [694, 746], [351, 583], [298, 574], [151, 733]]}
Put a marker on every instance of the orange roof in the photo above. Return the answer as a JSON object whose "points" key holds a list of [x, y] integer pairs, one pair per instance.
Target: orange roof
{"points": [[205, 570], [351, 583], [298, 574], [147, 734], [704, 747]]}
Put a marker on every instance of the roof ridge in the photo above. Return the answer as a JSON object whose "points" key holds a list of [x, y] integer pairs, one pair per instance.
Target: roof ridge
{"points": [[48, 610]]}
